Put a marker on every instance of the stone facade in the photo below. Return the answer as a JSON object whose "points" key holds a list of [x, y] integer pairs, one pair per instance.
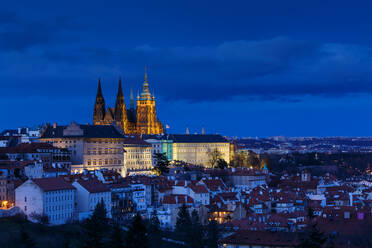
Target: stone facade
{"points": [[92, 147]]}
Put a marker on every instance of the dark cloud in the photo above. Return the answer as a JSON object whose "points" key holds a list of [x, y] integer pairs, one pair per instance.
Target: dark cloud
{"points": [[278, 69], [20, 33]]}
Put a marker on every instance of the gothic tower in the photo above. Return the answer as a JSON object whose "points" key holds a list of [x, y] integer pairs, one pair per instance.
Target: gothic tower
{"points": [[99, 106], [134, 120], [147, 123], [120, 110]]}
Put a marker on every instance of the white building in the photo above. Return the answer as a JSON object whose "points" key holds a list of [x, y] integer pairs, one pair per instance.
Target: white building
{"points": [[24, 135], [137, 157], [199, 193], [34, 170], [156, 145], [89, 193], [139, 196], [51, 197]]}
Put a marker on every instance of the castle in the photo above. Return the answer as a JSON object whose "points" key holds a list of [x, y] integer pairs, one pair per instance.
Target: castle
{"points": [[140, 120]]}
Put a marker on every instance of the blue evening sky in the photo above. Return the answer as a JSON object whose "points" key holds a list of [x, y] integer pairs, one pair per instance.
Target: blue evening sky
{"points": [[240, 68]]}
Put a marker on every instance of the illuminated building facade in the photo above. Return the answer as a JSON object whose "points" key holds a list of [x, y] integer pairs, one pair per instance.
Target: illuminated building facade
{"points": [[139, 120], [137, 157], [91, 147], [191, 148]]}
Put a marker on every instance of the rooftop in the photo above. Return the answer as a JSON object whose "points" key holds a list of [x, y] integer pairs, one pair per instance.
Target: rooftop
{"points": [[81, 131], [53, 184]]}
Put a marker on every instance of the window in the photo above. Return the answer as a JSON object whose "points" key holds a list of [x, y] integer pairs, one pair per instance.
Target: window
{"points": [[25, 208], [25, 199]]}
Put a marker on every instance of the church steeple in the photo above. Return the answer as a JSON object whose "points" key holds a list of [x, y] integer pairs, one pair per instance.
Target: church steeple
{"points": [[145, 75], [99, 106], [120, 104], [145, 95]]}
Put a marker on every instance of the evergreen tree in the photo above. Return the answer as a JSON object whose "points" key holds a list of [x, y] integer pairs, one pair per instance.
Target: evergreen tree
{"points": [[155, 234], [161, 164], [96, 226], [137, 235], [212, 235], [314, 238], [116, 238], [183, 224], [196, 232], [25, 239]]}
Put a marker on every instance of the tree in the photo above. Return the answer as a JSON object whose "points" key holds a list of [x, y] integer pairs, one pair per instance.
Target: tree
{"points": [[137, 235], [116, 239], [221, 164], [161, 164], [212, 235], [213, 157], [155, 234], [25, 239], [183, 223], [314, 238], [96, 226], [196, 231]]}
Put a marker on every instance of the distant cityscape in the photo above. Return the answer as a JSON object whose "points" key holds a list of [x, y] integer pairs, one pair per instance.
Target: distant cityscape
{"points": [[244, 192]]}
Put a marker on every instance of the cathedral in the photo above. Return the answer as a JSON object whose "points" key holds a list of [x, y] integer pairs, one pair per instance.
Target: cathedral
{"points": [[139, 120]]}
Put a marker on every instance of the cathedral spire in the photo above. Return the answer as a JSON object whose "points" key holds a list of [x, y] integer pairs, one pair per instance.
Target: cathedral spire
{"points": [[120, 90], [145, 80], [99, 90], [99, 106], [145, 95], [119, 104]]}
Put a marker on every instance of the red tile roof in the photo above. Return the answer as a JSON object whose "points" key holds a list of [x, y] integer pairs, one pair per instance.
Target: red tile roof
{"points": [[198, 189], [27, 148], [135, 140], [177, 199], [53, 184], [93, 186], [214, 184]]}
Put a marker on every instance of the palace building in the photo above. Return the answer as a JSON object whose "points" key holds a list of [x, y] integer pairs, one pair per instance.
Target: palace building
{"points": [[139, 120]]}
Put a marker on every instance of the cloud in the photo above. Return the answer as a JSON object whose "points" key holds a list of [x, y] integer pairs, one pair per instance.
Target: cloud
{"points": [[277, 69], [19, 33]]}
